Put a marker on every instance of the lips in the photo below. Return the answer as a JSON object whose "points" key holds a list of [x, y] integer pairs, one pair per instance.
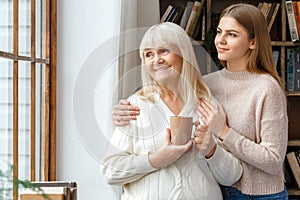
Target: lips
{"points": [[221, 50], [157, 69]]}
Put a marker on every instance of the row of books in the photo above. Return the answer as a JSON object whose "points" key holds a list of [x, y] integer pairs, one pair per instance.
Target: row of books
{"points": [[190, 17], [293, 16], [270, 11], [293, 69]]}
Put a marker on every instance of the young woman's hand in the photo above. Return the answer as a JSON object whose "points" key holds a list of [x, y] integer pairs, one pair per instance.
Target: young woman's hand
{"points": [[204, 141], [168, 153], [123, 112], [214, 118]]}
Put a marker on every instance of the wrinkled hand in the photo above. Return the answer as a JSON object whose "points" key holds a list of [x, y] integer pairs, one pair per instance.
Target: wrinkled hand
{"points": [[123, 112], [204, 141], [214, 118], [168, 153]]}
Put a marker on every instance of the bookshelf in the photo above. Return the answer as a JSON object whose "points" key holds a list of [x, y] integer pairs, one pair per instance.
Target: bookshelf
{"points": [[281, 41]]}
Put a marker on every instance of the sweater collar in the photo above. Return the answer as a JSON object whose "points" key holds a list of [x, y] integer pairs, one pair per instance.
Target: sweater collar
{"points": [[235, 75]]}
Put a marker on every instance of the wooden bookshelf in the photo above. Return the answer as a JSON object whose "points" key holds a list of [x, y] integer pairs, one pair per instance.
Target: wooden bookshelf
{"points": [[281, 40], [294, 143], [294, 192]]}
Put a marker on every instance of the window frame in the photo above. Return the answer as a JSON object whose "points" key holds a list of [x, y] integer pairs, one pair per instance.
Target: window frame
{"points": [[48, 118]]}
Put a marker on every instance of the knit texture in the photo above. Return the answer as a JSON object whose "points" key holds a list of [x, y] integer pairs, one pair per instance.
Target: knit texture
{"points": [[190, 177], [256, 111]]}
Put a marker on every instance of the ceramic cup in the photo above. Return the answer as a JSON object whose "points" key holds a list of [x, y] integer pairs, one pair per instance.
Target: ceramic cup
{"points": [[181, 129]]}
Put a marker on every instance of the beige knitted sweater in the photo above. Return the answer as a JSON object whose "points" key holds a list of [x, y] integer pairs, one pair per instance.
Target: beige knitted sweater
{"points": [[257, 116]]}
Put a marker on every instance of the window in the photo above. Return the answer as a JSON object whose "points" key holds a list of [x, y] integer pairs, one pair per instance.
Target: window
{"points": [[27, 89]]}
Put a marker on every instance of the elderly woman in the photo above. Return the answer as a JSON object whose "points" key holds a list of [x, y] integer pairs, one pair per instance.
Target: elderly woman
{"points": [[142, 158]]}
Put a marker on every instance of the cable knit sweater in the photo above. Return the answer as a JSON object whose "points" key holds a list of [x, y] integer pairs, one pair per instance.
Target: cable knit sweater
{"points": [[256, 112], [190, 177]]}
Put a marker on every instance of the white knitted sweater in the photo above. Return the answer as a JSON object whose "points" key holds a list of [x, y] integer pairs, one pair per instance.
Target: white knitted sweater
{"points": [[191, 177]]}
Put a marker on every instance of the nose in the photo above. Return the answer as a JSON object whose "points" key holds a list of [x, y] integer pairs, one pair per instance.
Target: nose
{"points": [[220, 38], [158, 59]]}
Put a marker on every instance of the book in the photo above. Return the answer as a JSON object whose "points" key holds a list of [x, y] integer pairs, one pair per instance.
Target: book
{"points": [[197, 21], [265, 7], [178, 13], [199, 32], [298, 6], [296, 70], [186, 14], [276, 9], [166, 13], [275, 54], [291, 20], [259, 5], [290, 69], [270, 13], [292, 160], [297, 156], [203, 27], [268, 9], [171, 14], [193, 17], [288, 175], [297, 15]]}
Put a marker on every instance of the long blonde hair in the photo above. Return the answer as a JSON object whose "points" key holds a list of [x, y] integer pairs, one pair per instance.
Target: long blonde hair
{"points": [[252, 19], [191, 84]]}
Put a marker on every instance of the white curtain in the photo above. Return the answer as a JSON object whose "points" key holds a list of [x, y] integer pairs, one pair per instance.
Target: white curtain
{"points": [[136, 17]]}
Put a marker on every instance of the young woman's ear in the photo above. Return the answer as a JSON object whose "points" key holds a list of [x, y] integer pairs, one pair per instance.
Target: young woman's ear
{"points": [[252, 44]]}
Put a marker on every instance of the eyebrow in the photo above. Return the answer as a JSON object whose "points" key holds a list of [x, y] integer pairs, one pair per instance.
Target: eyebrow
{"points": [[230, 30], [160, 47]]}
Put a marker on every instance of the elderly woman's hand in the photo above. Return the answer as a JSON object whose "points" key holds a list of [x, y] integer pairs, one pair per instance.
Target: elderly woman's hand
{"points": [[169, 152]]}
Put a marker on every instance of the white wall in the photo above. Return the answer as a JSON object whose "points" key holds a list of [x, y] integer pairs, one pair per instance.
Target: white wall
{"points": [[82, 27]]}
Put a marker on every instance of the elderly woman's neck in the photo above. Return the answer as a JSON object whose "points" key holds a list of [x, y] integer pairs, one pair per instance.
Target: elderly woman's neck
{"points": [[172, 99]]}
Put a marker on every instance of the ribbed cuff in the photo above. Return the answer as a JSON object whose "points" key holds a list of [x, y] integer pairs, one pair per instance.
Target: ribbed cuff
{"points": [[230, 139], [143, 163], [215, 159]]}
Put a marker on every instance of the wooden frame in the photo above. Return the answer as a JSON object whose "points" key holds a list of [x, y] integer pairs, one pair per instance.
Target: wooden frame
{"points": [[49, 92]]}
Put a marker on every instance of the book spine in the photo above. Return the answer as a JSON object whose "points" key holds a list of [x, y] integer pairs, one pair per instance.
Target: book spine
{"points": [[186, 14], [297, 16], [178, 14], [166, 13], [273, 17], [203, 27], [291, 157], [192, 17], [171, 15], [292, 21], [275, 56], [297, 70], [297, 156], [272, 8], [290, 69], [196, 20]]}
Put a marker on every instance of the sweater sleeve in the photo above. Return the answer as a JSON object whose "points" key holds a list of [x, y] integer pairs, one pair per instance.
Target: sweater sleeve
{"points": [[267, 153], [226, 168], [120, 166]]}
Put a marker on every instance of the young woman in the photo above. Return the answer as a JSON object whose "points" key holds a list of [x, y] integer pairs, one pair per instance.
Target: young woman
{"points": [[251, 121], [142, 158], [250, 90]]}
